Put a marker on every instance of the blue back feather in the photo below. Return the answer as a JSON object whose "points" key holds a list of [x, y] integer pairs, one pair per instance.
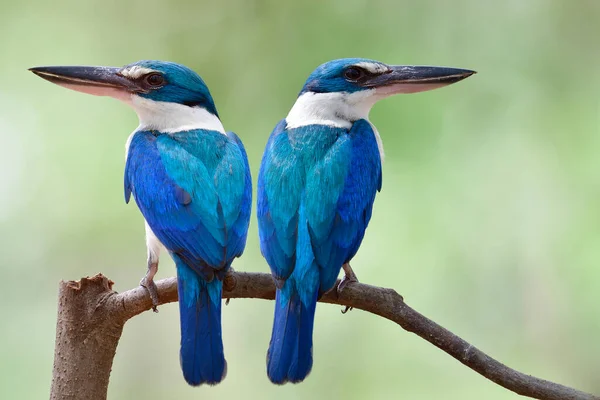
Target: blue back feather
{"points": [[316, 189], [330, 176], [194, 190]]}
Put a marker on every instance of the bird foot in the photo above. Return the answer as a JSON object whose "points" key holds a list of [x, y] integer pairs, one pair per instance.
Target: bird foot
{"points": [[229, 283], [348, 278], [152, 290]]}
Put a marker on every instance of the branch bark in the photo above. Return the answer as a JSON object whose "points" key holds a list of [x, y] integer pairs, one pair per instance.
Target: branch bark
{"points": [[91, 317]]}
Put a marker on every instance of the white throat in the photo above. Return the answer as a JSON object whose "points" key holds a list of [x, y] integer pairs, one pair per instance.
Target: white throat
{"points": [[337, 109], [172, 117]]}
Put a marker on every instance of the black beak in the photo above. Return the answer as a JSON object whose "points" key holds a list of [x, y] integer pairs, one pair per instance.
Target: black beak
{"points": [[413, 78], [93, 80]]}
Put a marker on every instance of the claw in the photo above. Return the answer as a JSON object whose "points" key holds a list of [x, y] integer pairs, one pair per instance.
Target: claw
{"points": [[346, 309], [152, 291], [148, 283], [348, 278]]}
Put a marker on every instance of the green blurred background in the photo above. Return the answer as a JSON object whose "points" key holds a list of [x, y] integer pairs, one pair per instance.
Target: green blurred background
{"points": [[488, 222]]}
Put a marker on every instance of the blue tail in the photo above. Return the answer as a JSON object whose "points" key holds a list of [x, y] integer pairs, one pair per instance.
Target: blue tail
{"points": [[201, 354], [290, 352]]}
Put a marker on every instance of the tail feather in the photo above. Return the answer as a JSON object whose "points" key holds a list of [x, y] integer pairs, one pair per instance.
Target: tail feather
{"points": [[290, 352], [201, 355]]}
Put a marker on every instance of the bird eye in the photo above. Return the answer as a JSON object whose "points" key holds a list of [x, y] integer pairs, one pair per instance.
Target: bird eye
{"points": [[154, 79], [353, 73]]}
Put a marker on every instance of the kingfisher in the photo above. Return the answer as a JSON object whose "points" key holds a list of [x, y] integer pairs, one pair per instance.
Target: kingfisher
{"points": [[318, 178], [191, 181]]}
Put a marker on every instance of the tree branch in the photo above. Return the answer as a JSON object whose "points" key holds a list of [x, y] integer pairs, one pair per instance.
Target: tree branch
{"points": [[91, 318]]}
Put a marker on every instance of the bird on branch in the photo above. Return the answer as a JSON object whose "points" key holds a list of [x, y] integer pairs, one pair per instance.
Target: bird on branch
{"points": [[319, 175], [191, 181]]}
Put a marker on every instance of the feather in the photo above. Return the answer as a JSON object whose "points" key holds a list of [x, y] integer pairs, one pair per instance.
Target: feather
{"points": [[194, 190], [316, 189]]}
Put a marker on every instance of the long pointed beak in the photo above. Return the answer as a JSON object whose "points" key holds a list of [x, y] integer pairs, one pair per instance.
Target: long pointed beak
{"points": [[98, 81], [414, 78]]}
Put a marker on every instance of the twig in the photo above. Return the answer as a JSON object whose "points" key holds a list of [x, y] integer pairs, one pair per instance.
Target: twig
{"points": [[90, 323]]}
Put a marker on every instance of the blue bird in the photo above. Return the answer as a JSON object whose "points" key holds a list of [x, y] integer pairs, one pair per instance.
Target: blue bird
{"points": [[317, 183], [191, 181]]}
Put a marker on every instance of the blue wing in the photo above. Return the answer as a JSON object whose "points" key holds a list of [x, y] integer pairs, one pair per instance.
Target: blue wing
{"points": [[322, 181], [194, 190], [238, 230], [339, 228], [279, 187]]}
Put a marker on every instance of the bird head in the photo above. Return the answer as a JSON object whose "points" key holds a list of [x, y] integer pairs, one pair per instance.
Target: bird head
{"points": [[166, 96], [345, 90]]}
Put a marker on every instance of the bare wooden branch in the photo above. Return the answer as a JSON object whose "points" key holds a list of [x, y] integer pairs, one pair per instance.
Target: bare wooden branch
{"points": [[91, 318], [86, 339]]}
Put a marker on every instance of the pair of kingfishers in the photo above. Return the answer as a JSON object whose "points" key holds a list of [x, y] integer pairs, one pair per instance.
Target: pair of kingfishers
{"points": [[190, 178]]}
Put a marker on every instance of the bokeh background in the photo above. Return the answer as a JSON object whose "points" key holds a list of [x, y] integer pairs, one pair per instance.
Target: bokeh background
{"points": [[488, 222]]}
